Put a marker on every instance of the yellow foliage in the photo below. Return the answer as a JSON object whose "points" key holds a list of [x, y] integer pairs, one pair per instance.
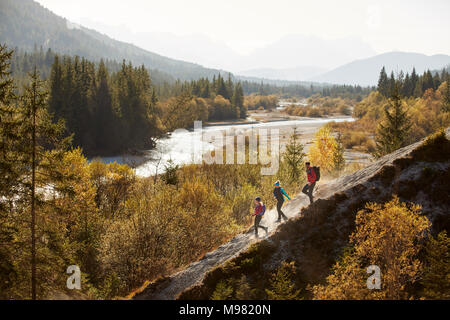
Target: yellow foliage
{"points": [[387, 236], [323, 151]]}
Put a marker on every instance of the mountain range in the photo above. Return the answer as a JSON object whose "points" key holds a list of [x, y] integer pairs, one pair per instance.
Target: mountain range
{"points": [[295, 58], [26, 24], [365, 72]]}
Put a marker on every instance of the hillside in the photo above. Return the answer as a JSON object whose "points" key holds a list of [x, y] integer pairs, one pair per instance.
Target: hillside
{"points": [[365, 72], [315, 235], [26, 24]]}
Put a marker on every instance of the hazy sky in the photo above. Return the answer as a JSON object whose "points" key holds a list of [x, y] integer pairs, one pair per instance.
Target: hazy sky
{"points": [[415, 25]]}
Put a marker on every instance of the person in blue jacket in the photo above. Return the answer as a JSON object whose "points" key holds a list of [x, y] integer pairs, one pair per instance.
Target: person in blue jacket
{"points": [[279, 194]]}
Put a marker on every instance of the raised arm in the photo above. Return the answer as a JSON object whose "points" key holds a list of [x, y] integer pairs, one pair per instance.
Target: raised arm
{"points": [[284, 192]]}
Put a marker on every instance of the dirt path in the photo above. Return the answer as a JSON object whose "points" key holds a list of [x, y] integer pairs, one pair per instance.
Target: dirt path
{"points": [[169, 288]]}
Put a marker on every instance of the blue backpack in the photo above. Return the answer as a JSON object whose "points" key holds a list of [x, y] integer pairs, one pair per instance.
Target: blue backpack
{"points": [[264, 209]]}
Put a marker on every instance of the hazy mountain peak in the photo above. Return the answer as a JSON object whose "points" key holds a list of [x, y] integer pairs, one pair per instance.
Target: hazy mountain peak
{"points": [[366, 71]]}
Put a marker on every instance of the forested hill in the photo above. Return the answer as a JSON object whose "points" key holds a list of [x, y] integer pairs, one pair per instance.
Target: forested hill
{"points": [[26, 24]]}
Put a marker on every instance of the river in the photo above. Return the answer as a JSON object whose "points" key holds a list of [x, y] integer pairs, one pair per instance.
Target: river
{"points": [[185, 147]]}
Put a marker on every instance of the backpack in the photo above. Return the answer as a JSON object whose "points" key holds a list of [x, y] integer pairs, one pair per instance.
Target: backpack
{"points": [[317, 171], [263, 209]]}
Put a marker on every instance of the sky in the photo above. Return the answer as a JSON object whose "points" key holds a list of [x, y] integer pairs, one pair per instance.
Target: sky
{"points": [[245, 25]]}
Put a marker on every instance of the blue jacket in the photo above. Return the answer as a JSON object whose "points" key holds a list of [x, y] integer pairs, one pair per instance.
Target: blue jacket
{"points": [[279, 194]]}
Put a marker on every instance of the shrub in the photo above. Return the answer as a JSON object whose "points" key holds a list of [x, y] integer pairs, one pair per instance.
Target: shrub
{"points": [[388, 236], [223, 291], [436, 274], [281, 284]]}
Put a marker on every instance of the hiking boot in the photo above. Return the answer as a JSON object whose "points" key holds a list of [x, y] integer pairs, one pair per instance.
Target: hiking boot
{"points": [[278, 221]]}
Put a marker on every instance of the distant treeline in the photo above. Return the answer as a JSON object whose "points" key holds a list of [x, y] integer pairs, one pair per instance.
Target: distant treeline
{"points": [[299, 90], [167, 89], [209, 89], [411, 85], [203, 100], [23, 63]]}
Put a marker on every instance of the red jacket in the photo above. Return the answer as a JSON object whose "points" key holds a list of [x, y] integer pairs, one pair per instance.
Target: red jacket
{"points": [[260, 209], [311, 175]]}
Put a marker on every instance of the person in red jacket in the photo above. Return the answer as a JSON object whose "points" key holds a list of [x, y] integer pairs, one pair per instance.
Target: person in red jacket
{"points": [[309, 187], [260, 209]]}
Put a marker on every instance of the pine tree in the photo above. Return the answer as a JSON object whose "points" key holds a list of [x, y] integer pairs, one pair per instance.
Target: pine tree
{"points": [[9, 170], [436, 274], [10, 173], [426, 82], [392, 133], [383, 83], [222, 88], [281, 285], [446, 97], [56, 99], [414, 84], [38, 136], [407, 87], [294, 158], [392, 84], [223, 291], [238, 101], [206, 90], [104, 117]]}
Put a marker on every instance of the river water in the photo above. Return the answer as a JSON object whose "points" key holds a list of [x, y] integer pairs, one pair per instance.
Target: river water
{"points": [[185, 147]]}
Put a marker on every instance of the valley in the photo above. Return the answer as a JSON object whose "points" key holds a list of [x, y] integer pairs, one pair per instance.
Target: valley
{"points": [[259, 151]]}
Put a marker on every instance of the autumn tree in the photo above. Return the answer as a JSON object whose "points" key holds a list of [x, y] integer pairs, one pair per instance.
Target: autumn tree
{"points": [[325, 151], [339, 160], [446, 97], [386, 236]]}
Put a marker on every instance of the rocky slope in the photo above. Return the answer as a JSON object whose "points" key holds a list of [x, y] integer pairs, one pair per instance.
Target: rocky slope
{"points": [[316, 234]]}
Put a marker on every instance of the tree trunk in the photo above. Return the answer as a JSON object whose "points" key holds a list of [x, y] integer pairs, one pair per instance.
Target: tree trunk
{"points": [[33, 190]]}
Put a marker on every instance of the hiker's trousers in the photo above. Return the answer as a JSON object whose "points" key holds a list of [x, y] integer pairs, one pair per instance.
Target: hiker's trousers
{"points": [[308, 190], [280, 213], [257, 221]]}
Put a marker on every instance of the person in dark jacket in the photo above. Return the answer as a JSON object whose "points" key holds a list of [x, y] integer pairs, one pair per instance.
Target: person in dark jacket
{"points": [[309, 187], [279, 194], [260, 209]]}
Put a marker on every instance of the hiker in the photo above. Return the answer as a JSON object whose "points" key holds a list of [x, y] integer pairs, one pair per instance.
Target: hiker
{"points": [[260, 209], [279, 194], [312, 178]]}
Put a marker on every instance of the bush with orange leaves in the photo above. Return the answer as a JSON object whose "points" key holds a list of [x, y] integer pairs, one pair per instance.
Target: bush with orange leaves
{"points": [[389, 236]]}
